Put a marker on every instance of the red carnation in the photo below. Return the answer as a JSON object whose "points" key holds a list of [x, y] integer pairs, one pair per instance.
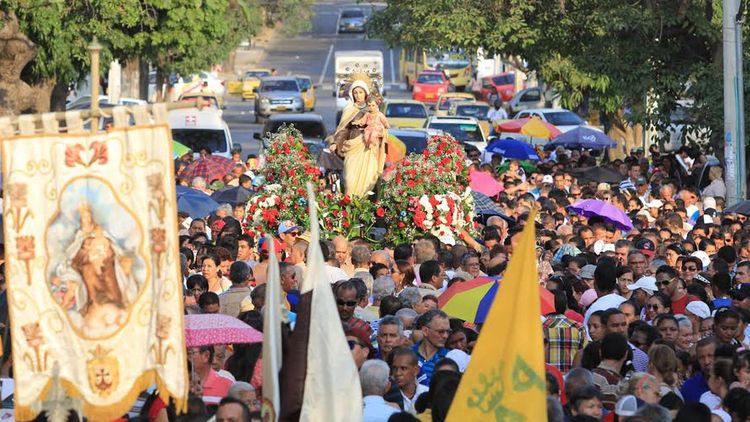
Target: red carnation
{"points": [[346, 200], [401, 225], [380, 212], [345, 224]]}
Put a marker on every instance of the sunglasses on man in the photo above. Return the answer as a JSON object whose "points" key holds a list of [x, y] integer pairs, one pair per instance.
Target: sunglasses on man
{"points": [[349, 303]]}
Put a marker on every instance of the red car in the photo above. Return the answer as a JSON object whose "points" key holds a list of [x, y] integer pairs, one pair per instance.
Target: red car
{"points": [[429, 85], [503, 84]]}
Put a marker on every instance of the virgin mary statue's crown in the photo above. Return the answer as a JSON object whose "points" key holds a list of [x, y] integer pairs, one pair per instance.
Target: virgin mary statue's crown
{"points": [[361, 72]]}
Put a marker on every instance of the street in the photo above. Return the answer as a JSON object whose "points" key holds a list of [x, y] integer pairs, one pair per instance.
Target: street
{"points": [[311, 54]]}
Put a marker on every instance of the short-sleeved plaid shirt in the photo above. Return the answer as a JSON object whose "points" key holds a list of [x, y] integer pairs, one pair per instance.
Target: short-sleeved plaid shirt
{"points": [[565, 337]]}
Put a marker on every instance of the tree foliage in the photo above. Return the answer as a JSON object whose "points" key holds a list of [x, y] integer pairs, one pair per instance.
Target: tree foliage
{"points": [[608, 54], [181, 36]]}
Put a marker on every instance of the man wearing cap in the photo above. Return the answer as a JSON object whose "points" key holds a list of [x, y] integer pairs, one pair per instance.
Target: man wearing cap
{"points": [[642, 190], [288, 233], [587, 274], [642, 289]]}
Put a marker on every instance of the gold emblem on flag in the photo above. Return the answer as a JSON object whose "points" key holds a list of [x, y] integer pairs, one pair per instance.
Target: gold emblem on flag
{"points": [[103, 371]]}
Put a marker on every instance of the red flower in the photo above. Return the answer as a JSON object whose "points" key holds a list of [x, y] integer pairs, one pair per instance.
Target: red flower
{"points": [[344, 214], [411, 183], [346, 200], [380, 212], [401, 225], [345, 224]]}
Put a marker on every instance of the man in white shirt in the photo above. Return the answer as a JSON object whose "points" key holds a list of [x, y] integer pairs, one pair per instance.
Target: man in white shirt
{"points": [[605, 284], [498, 113], [374, 380], [404, 371]]}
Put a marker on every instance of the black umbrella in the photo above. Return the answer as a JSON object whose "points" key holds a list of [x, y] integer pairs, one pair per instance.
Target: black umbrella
{"points": [[597, 174], [233, 196], [742, 207], [484, 206]]}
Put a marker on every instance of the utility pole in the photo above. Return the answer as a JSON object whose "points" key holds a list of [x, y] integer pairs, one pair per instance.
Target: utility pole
{"points": [[734, 117]]}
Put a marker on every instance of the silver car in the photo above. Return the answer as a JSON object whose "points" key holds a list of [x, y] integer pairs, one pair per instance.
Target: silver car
{"points": [[352, 20], [278, 94]]}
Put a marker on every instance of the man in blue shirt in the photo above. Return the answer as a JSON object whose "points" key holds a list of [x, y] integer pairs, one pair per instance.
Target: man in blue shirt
{"points": [[435, 329], [696, 385]]}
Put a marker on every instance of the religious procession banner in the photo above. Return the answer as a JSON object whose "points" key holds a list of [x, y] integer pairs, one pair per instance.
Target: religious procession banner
{"points": [[92, 262]]}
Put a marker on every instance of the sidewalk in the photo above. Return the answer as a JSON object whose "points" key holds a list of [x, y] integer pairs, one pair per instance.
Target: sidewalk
{"points": [[253, 55]]}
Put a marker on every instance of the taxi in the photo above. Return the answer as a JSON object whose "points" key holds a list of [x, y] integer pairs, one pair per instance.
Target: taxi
{"points": [[404, 113], [429, 85], [308, 91], [444, 101], [251, 81]]}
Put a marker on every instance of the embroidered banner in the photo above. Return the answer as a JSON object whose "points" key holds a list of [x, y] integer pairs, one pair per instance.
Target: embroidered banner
{"points": [[92, 262]]}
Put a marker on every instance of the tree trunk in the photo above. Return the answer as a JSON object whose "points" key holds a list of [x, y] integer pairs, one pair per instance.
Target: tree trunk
{"points": [[131, 77], [16, 51], [144, 81]]}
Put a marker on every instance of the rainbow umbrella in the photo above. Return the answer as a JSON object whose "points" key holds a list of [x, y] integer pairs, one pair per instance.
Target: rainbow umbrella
{"points": [[396, 149], [471, 300], [529, 126]]}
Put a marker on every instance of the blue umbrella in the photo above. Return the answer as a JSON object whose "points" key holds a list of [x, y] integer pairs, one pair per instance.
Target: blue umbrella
{"points": [[194, 202], [513, 149], [233, 195], [581, 137]]}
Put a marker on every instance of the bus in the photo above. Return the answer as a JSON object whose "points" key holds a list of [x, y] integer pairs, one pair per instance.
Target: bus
{"points": [[456, 65]]}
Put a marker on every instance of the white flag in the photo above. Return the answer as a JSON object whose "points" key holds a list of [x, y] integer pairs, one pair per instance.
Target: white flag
{"points": [[272, 338]]}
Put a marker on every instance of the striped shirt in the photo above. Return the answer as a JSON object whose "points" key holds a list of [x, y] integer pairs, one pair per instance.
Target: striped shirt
{"points": [[427, 366], [565, 337], [627, 184]]}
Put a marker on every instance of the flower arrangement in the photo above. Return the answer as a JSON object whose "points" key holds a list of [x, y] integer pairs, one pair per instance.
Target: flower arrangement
{"points": [[347, 216], [428, 193], [289, 167]]}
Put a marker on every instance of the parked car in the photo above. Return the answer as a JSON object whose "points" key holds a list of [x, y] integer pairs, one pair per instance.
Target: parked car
{"points": [[466, 130], [308, 91], [445, 100], [278, 94], [352, 20], [404, 113], [683, 129], [561, 118], [429, 85], [84, 102], [415, 140], [199, 129], [251, 81], [535, 97], [309, 124], [502, 85]]}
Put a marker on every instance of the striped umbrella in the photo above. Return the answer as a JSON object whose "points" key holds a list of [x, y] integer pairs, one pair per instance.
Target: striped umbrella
{"points": [[529, 126], [471, 300], [210, 167]]}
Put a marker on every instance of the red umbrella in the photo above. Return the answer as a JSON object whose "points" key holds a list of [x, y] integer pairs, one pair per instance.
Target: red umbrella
{"points": [[210, 167], [208, 329]]}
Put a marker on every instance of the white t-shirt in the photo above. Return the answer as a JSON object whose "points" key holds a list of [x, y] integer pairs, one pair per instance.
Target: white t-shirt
{"points": [[409, 403]]}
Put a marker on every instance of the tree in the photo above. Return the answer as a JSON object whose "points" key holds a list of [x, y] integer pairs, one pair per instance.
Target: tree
{"points": [[180, 36], [607, 54]]}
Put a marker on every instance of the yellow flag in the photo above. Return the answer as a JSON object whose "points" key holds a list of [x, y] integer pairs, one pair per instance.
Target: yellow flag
{"points": [[505, 380]]}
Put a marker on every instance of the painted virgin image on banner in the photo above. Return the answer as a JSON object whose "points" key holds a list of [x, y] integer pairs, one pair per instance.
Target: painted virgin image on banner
{"points": [[96, 271]]}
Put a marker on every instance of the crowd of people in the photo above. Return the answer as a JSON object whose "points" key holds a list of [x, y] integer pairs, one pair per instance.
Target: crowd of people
{"points": [[649, 324]]}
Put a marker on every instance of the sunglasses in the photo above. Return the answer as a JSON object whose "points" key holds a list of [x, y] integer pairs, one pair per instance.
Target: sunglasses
{"points": [[350, 303], [353, 343], [654, 307], [295, 234], [689, 269]]}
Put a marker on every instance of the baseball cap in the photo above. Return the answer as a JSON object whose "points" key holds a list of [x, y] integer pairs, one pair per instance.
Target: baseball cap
{"points": [[645, 283], [587, 271], [656, 203], [709, 202], [217, 185], [646, 246], [641, 181], [603, 186], [288, 225], [703, 256], [548, 179], [703, 278], [698, 309], [626, 406], [460, 357]]}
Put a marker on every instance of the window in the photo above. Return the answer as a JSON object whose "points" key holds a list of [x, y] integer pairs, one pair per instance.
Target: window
{"points": [[195, 139], [405, 110], [462, 132], [478, 111], [350, 14], [486, 83], [304, 83], [257, 74], [563, 118], [504, 79], [430, 79], [283, 85], [533, 95]]}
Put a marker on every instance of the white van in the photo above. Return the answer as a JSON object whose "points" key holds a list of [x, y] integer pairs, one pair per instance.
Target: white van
{"points": [[348, 61], [198, 129]]}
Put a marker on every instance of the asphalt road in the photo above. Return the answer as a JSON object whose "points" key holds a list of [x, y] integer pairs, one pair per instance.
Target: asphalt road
{"points": [[311, 54]]}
